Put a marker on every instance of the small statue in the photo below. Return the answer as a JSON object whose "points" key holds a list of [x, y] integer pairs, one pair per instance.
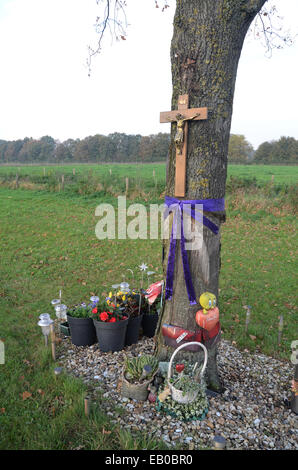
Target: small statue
{"points": [[179, 136], [152, 393], [209, 316]]}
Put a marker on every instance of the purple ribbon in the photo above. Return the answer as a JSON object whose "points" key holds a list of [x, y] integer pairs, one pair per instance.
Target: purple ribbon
{"points": [[177, 207]]}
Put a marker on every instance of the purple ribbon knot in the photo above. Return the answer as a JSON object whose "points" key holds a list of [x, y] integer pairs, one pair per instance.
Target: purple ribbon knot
{"points": [[178, 207]]}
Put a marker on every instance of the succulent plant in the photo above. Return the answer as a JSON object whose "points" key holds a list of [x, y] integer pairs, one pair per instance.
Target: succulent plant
{"points": [[140, 368]]}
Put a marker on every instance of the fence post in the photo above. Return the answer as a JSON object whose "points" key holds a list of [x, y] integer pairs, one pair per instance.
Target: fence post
{"points": [[154, 178], [126, 185], [87, 405], [53, 342], [247, 319], [280, 328], [62, 182], [17, 181], [73, 171]]}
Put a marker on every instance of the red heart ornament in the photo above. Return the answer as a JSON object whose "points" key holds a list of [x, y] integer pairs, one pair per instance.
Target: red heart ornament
{"points": [[179, 368], [207, 320]]}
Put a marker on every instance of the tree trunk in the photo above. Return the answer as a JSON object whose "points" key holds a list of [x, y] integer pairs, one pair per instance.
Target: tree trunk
{"points": [[205, 50]]}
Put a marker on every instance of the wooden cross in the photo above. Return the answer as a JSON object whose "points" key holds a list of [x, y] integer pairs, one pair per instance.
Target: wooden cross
{"points": [[181, 116]]}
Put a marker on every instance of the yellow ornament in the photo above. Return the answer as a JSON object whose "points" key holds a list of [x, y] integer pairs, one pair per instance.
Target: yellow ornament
{"points": [[208, 301]]}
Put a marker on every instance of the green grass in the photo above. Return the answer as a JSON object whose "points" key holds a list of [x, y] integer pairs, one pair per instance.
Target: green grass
{"points": [[263, 173], [48, 243]]}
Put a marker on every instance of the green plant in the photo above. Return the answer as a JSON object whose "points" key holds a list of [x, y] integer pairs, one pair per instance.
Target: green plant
{"points": [[185, 383], [195, 410], [80, 311], [185, 378], [139, 368]]}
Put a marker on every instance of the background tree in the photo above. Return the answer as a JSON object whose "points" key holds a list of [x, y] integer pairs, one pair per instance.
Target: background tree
{"points": [[263, 152], [284, 150], [240, 150]]}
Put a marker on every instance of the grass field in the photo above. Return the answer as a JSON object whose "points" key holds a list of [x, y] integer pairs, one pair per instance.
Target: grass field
{"points": [[262, 173], [48, 243]]}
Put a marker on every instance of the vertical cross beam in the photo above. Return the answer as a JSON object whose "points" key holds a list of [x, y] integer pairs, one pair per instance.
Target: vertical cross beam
{"points": [[182, 115], [180, 179]]}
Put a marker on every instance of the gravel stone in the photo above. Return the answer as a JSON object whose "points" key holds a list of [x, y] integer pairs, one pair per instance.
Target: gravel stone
{"points": [[252, 412]]}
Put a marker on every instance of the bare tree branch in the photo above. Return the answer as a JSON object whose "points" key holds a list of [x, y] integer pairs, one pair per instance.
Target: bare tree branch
{"points": [[269, 28], [114, 20], [268, 25]]}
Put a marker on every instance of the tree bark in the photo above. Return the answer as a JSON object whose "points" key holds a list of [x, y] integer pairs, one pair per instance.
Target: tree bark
{"points": [[205, 50]]}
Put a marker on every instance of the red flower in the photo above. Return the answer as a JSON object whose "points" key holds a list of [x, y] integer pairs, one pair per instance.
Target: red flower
{"points": [[112, 320], [94, 310], [110, 313], [103, 316]]}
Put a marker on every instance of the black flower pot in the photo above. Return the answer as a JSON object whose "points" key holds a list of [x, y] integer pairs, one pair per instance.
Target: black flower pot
{"points": [[149, 324], [133, 329], [82, 331], [111, 336]]}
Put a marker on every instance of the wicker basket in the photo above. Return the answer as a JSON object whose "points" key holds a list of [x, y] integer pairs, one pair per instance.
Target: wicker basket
{"points": [[138, 391], [179, 395]]}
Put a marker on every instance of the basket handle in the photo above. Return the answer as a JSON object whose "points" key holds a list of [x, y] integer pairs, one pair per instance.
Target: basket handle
{"points": [[182, 346]]}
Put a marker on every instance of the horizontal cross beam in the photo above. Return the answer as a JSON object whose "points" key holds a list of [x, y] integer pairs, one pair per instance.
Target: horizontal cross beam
{"points": [[169, 116]]}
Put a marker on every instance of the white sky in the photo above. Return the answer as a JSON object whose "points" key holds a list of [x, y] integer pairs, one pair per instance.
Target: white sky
{"points": [[45, 88]]}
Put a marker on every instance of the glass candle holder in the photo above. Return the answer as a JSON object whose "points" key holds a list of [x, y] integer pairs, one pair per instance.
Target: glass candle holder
{"points": [[124, 287], [61, 310]]}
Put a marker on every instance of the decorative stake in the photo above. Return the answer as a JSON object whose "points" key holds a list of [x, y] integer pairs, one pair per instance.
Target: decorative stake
{"points": [[53, 343], [247, 320], [280, 328], [87, 406]]}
